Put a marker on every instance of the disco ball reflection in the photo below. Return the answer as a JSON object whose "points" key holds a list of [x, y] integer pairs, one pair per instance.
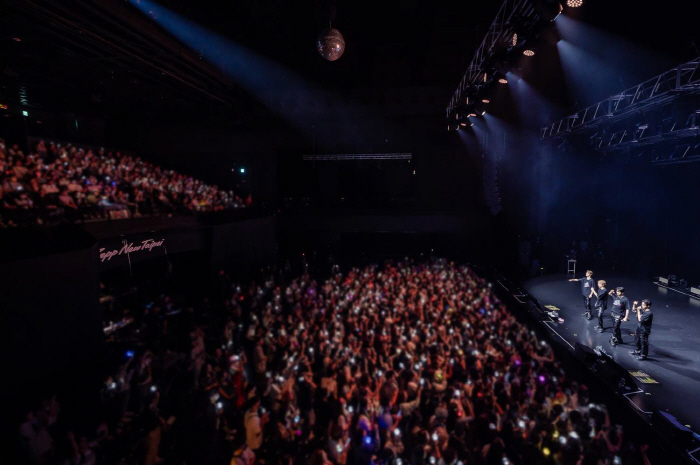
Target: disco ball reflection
{"points": [[330, 44]]}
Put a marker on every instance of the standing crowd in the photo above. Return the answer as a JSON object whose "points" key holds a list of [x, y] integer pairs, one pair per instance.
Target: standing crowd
{"points": [[405, 363]]}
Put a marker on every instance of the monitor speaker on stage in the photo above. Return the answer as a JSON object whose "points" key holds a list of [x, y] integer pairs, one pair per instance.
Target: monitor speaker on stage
{"points": [[695, 291], [671, 428], [607, 369], [663, 280], [585, 354]]}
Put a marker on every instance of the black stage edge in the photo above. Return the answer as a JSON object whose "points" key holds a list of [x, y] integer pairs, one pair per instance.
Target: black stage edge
{"points": [[674, 355]]}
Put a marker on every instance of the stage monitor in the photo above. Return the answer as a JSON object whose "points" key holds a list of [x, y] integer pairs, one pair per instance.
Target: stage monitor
{"points": [[663, 280], [671, 428]]}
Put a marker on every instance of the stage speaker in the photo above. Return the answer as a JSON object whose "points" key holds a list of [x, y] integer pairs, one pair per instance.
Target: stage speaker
{"points": [[695, 291], [585, 354], [663, 280], [671, 428], [614, 375]]}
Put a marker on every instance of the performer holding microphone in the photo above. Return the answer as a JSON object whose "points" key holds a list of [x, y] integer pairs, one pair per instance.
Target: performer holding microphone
{"points": [[587, 285], [641, 337], [620, 312], [601, 303]]}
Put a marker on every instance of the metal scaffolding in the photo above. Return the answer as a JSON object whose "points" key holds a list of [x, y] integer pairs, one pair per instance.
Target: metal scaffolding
{"points": [[358, 156], [660, 90], [625, 139], [501, 31]]}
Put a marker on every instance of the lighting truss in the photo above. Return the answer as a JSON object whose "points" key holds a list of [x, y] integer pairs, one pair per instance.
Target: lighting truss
{"points": [[660, 90], [358, 156], [501, 31], [625, 139], [687, 153]]}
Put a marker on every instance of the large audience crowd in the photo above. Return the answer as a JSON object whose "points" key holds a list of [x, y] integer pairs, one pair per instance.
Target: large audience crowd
{"points": [[408, 363], [56, 183]]}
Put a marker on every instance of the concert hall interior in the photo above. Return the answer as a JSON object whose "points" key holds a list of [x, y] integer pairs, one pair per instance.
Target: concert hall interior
{"points": [[333, 232]]}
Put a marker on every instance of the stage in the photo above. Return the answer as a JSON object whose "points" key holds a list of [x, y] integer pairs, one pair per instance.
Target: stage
{"points": [[674, 344]]}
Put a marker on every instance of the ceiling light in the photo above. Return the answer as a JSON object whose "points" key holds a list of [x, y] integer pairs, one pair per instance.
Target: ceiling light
{"points": [[503, 81], [528, 52], [574, 3], [547, 10]]}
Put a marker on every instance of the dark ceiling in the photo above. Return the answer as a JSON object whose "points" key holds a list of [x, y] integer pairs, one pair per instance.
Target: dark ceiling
{"points": [[107, 57], [389, 43]]}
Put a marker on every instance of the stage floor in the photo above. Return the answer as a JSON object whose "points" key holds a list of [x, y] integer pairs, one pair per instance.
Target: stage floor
{"points": [[674, 344]]}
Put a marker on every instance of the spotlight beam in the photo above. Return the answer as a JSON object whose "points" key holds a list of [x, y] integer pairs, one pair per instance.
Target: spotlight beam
{"points": [[659, 90]]}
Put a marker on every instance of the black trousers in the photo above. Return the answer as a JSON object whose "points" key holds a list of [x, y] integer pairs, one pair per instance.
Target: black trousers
{"points": [[601, 311], [587, 304], [617, 333], [641, 340]]}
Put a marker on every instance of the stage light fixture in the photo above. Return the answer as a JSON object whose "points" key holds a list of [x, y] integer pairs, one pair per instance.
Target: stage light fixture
{"points": [[503, 81], [548, 10], [515, 39], [17, 39], [486, 100], [574, 3], [462, 124], [472, 114], [483, 113], [25, 113], [528, 52]]}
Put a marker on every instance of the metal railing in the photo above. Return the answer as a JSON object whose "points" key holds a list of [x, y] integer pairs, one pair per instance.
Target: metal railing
{"points": [[682, 80]]}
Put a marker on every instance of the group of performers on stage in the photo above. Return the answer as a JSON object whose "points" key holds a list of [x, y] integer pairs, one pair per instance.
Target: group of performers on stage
{"points": [[620, 312]]}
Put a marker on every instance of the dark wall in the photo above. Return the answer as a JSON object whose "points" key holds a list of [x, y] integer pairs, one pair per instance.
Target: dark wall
{"points": [[50, 316], [644, 216], [365, 238], [445, 175], [244, 244]]}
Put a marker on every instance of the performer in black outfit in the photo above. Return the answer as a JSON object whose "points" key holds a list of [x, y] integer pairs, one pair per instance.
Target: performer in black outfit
{"points": [[641, 337], [587, 285], [601, 303], [620, 312]]}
